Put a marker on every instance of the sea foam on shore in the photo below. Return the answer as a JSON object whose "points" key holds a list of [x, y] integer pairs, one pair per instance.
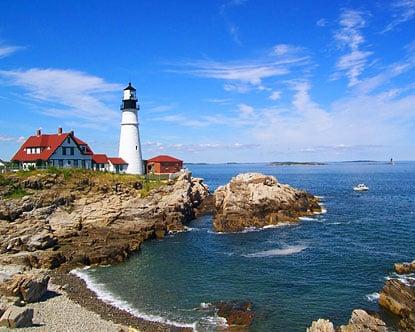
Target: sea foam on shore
{"points": [[103, 294]]}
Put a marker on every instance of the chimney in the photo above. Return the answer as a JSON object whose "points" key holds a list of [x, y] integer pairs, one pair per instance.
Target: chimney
{"points": [[72, 132], [59, 130], [38, 132]]}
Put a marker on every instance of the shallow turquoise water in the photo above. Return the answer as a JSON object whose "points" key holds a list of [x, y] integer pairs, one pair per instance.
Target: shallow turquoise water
{"points": [[323, 267]]}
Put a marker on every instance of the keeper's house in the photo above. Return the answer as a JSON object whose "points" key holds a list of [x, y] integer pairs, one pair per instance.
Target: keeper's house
{"points": [[63, 150], [164, 165]]}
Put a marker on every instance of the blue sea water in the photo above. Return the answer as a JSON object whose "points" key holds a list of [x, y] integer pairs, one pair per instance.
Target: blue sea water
{"points": [[324, 266]]}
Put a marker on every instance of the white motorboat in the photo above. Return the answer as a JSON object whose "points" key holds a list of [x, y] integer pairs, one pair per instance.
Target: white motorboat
{"points": [[361, 187]]}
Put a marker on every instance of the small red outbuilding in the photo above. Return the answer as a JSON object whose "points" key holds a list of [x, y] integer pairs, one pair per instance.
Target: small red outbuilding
{"points": [[164, 165]]}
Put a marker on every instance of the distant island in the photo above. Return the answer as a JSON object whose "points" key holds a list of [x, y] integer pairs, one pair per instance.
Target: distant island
{"points": [[296, 163]]}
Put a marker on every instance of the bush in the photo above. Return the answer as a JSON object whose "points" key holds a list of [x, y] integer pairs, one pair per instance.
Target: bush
{"points": [[16, 193]]}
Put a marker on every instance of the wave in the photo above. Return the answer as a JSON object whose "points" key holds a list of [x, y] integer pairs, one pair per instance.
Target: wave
{"points": [[254, 229], [407, 279], [289, 250], [103, 294], [372, 297], [306, 219]]}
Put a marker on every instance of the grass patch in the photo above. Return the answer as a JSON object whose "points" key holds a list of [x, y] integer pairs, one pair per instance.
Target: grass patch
{"points": [[4, 181], [149, 185], [16, 193]]}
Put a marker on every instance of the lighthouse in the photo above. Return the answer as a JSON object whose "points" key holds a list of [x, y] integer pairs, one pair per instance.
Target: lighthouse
{"points": [[130, 147]]}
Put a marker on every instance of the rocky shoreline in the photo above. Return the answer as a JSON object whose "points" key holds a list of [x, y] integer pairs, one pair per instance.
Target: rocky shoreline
{"points": [[77, 291], [52, 223], [60, 220], [397, 297]]}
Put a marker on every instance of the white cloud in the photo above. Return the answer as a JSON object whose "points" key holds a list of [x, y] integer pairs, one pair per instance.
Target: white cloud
{"points": [[6, 50], [322, 22], [233, 29], [350, 38], [404, 10], [66, 93], [158, 147], [11, 139], [244, 76], [246, 110], [281, 49], [275, 95]]}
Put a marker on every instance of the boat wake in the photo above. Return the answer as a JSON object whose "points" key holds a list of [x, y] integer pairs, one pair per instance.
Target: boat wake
{"points": [[106, 296], [289, 250]]}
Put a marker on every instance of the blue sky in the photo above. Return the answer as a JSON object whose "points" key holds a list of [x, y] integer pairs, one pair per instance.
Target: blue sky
{"points": [[217, 80]]}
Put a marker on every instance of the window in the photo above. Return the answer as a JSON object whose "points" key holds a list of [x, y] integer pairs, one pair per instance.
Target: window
{"points": [[28, 150], [69, 140], [136, 147], [60, 163], [75, 163], [83, 164], [72, 151], [64, 151]]}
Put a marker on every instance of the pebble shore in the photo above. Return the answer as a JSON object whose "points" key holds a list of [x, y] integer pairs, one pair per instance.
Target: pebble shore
{"points": [[58, 313]]}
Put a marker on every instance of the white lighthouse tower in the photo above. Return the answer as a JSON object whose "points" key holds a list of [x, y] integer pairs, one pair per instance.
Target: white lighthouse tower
{"points": [[130, 147]]}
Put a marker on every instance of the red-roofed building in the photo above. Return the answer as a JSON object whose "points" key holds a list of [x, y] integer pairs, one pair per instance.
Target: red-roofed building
{"points": [[163, 165], [63, 150]]}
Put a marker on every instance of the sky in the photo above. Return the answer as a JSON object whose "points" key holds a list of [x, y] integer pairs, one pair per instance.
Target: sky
{"points": [[217, 81]]}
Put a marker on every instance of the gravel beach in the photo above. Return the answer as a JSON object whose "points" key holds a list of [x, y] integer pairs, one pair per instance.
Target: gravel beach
{"points": [[58, 313]]}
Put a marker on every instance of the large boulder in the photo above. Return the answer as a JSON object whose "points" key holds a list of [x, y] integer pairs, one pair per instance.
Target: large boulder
{"points": [[399, 298], [321, 325], [361, 321], [15, 317], [30, 286], [404, 268], [257, 200], [237, 313]]}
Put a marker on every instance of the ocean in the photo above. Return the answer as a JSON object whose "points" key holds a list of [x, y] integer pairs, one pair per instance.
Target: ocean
{"points": [[324, 266]]}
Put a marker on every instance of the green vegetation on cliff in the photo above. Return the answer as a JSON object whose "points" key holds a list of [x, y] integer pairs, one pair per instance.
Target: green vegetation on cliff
{"points": [[22, 183]]}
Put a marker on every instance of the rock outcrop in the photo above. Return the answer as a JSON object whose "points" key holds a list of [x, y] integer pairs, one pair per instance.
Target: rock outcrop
{"points": [[399, 298], [237, 313], [360, 321], [83, 218], [404, 268], [321, 325], [28, 287], [257, 200], [15, 317]]}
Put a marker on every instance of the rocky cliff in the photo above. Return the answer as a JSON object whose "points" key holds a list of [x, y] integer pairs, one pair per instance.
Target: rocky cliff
{"points": [[257, 200], [79, 218], [360, 321]]}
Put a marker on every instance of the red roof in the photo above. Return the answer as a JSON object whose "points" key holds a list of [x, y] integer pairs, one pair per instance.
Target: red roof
{"points": [[48, 145], [117, 161], [100, 158], [163, 159], [78, 141]]}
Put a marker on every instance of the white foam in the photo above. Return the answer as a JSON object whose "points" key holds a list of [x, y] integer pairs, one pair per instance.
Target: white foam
{"points": [[254, 229], [289, 250], [372, 297], [306, 218], [216, 322], [104, 295], [323, 209], [205, 305], [407, 279]]}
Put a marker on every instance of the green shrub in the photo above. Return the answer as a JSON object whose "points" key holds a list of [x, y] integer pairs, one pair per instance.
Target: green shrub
{"points": [[16, 193]]}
